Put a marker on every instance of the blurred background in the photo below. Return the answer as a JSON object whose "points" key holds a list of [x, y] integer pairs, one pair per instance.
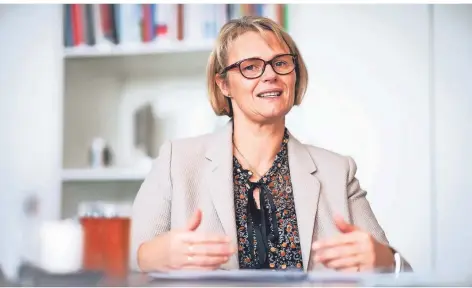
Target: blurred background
{"points": [[390, 85]]}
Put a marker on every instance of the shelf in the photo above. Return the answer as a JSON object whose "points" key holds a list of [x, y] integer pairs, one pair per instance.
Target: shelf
{"points": [[138, 49], [102, 174]]}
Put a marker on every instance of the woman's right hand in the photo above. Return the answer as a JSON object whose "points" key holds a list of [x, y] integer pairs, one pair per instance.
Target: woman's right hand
{"points": [[186, 249]]}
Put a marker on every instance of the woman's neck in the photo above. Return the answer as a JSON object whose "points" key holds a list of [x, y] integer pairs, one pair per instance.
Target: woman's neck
{"points": [[258, 143]]}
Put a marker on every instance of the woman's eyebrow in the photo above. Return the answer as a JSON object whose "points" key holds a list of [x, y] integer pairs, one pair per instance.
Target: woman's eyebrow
{"points": [[255, 56], [260, 57]]}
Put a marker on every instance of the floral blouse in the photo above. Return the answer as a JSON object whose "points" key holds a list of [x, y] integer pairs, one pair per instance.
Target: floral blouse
{"points": [[268, 237]]}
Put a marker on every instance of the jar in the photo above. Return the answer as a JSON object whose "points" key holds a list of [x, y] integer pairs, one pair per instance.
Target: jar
{"points": [[106, 228]]}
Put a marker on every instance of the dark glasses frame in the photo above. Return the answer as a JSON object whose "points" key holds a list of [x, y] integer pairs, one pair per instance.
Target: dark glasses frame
{"points": [[271, 62]]}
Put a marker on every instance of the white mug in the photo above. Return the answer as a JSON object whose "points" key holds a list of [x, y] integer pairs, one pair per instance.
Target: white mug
{"points": [[61, 246]]}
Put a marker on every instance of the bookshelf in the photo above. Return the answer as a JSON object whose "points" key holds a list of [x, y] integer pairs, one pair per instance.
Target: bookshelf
{"points": [[102, 174], [121, 57], [138, 49]]}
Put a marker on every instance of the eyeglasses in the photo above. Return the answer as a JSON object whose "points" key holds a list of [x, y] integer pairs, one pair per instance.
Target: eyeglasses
{"points": [[252, 68]]}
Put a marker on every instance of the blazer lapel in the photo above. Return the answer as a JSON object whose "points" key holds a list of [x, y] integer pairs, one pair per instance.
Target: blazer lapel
{"points": [[306, 191], [220, 183]]}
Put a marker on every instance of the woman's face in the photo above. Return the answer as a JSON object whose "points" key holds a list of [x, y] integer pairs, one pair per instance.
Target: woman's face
{"points": [[267, 98]]}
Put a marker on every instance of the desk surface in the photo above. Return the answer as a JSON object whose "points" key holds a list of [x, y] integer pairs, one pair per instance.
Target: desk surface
{"points": [[33, 278]]}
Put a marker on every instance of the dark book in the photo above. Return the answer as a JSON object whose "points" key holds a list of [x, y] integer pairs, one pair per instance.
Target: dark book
{"points": [[89, 25]]}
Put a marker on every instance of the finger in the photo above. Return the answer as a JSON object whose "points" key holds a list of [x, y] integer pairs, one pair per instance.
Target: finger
{"points": [[343, 226], [205, 261], [195, 221], [350, 262], [203, 238], [342, 239], [213, 249], [330, 254]]}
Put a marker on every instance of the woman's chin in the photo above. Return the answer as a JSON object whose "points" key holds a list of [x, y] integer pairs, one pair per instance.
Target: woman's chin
{"points": [[273, 115]]}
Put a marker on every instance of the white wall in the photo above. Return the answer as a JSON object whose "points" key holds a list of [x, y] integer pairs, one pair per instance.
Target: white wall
{"points": [[368, 97], [453, 136], [30, 119]]}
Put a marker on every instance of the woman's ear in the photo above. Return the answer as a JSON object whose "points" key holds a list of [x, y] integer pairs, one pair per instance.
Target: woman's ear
{"points": [[222, 84]]}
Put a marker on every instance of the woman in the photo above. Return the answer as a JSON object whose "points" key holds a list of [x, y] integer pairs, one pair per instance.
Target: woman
{"points": [[251, 196]]}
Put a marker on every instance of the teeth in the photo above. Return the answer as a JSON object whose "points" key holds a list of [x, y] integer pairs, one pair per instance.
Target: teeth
{"points": [[270, 94]]}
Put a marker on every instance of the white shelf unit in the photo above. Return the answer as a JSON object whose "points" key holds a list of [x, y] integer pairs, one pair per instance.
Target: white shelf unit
{"points": [[102, 174], [102, 90], [168, 47]]}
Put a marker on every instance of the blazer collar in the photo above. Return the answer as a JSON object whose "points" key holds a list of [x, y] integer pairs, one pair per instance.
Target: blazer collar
{"points": [[306, 187], [220, 148]]}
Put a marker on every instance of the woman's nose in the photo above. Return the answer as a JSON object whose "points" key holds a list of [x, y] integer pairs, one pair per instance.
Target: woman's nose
{"points": [[269, 73]]}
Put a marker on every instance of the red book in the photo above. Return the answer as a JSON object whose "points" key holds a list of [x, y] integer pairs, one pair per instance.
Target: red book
{"points": [[147, 23], [77, 24], [105, 15]]}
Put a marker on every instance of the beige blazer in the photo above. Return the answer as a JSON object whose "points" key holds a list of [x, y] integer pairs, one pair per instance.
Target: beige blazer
{"points": [[198, 173]]}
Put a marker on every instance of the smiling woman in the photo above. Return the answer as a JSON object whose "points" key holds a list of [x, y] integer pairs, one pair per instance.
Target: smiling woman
{"points": [[246, 46], [251, 196]]}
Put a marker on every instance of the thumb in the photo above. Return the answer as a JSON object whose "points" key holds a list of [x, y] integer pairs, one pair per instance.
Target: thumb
{"points": [[195, 221], [343, 226]]}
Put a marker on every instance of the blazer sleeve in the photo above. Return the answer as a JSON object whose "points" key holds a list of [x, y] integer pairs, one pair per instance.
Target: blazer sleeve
{"points": [[151, 213], [361, 212]]}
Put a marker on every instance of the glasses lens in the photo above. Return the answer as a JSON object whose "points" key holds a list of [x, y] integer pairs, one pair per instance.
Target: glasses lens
{"points": [[283, 64], [252, 68]]}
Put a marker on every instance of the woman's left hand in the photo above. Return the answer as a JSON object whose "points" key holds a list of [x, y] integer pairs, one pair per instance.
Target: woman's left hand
{"points": [[353, 250]]}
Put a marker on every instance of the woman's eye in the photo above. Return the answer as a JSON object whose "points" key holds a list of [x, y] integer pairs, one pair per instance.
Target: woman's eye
{"points": [[280, 63], [250, 67]]}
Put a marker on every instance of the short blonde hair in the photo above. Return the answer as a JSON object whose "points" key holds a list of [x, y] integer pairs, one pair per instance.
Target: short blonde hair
{"points": [[219, 57]]}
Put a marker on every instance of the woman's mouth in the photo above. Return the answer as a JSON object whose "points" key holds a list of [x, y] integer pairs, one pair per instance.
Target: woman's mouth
{"points": [[270, 94]]}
